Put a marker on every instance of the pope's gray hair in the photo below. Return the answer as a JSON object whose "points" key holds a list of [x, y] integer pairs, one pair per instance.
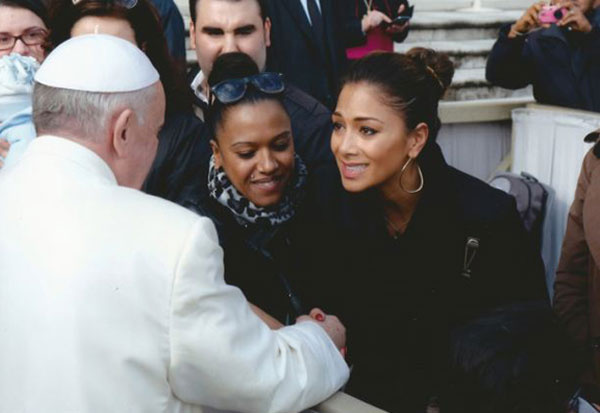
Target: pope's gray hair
{"points": [[85, 114]]}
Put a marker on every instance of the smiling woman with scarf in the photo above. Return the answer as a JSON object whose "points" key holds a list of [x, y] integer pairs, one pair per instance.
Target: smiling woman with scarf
{"points": [[256, 185]]}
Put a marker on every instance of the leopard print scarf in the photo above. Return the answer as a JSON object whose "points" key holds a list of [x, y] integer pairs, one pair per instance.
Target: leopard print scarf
{"points": [[244, 211]]}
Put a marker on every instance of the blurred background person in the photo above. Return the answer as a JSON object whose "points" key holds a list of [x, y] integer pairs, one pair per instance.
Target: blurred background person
{"points": [[309, 40], [380, 24], [23, 31], [23, 28], [576, 297], [558, 59], [421, 246]]}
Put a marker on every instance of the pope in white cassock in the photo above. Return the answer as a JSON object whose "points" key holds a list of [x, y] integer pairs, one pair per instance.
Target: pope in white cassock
{"points": [[112, 300]]}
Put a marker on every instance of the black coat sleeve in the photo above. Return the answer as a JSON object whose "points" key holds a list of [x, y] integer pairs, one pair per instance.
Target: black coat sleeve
{"points": [[351, 23], [508, 65], [181, 158]]}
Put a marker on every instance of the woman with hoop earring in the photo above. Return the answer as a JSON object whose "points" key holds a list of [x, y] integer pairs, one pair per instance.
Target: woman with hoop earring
{"points": [[423, 246]]}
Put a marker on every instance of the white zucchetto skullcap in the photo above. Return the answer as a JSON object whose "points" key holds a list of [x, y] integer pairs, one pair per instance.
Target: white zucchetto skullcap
{"points": [[97, 63]]}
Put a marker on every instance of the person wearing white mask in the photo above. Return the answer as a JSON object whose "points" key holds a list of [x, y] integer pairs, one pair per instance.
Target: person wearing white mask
{"points": [[112, 300]]}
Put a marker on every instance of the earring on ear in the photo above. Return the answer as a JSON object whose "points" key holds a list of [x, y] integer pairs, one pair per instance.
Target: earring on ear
{"points": [[420, 188]]}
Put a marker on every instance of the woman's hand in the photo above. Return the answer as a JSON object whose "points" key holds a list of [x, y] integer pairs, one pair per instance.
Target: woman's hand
{"points": [[4, 147], [373, 19], [394, 29], [331, 324], [574, 19], [528, 21]]}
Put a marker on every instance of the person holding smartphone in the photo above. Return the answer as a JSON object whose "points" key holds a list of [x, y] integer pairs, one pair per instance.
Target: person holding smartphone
{"points": [[553, 46], [383, 22]]}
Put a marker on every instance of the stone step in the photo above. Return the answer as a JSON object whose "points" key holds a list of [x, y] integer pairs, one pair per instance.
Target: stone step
{"points": [[449, 26], [468, 93], [470, 84], [448, 5], [469, 54]]}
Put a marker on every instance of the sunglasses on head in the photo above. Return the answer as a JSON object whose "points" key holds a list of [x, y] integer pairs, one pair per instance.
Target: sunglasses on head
{"points": [[232, 90]]}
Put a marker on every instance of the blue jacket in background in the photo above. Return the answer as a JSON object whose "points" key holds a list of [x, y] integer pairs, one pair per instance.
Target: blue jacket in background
{"points": [[562, 66], [172, 24], [19, 131]]}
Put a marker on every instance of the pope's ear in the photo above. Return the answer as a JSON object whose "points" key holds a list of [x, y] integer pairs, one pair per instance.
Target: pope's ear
{"points": [[121, 132]]}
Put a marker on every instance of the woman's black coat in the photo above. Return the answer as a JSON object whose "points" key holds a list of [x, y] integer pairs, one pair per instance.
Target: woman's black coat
{"points": [[399, 299], [270, 264]]}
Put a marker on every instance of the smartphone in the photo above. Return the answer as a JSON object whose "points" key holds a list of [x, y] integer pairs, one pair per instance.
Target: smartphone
{"points": [[401, 20]]}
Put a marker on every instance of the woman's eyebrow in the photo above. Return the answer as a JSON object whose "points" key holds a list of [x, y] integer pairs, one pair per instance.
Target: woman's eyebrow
{"points": [[364, 118]]}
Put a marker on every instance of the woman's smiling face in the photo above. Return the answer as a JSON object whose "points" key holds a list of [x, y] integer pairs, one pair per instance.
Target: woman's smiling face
{"points": [[370, 139], [254, 146]]}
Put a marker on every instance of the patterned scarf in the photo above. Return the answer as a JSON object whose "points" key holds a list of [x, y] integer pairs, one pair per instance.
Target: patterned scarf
{"points": [[244, 211]]}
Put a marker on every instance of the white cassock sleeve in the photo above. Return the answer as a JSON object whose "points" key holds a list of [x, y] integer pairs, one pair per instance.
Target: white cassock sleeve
{"points": [[224, 356]]}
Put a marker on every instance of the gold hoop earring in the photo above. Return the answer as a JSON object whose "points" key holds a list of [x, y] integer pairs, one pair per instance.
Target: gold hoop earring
{"points": [[420, 188]]}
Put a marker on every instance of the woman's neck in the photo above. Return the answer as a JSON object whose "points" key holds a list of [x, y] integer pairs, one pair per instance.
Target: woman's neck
{"points": [[399, 205]]}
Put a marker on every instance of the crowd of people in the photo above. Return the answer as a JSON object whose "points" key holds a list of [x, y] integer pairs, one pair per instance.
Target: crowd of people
{"points": [[239, 237]]}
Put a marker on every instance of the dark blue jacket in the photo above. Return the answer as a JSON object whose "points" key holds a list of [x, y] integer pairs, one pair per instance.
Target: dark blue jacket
{"points": [[172, 24], [562, 66]]}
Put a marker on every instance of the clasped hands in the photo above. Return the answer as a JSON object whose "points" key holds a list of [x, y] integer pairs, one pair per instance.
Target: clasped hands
{"points": [[330, 323]]}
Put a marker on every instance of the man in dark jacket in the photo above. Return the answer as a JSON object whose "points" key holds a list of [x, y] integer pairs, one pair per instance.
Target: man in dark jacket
{"points": [[309, 40], [561, 61], [222, 26]]}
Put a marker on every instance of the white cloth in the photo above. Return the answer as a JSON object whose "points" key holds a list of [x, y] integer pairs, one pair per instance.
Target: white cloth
{"points": [[16, 83], [305, 7], [585, 406], [114, 301], [97, 63], [197, 86]]}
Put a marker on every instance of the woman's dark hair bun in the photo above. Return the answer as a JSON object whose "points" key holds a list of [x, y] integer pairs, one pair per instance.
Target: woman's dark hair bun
{"points": [[233, 65], [437, 65]]}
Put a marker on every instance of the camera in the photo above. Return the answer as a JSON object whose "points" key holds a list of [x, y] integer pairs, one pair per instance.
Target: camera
{"points": [[552, 14]]}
